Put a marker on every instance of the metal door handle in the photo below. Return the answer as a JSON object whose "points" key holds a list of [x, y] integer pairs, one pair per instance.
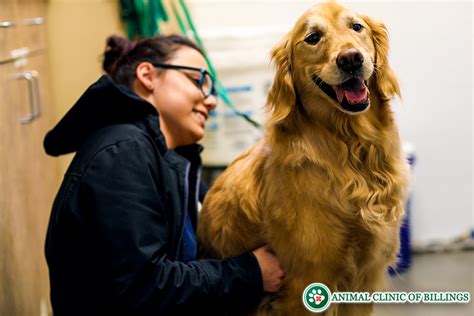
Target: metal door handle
{"points": [[33, 21], [32, 78], [6, 24], [39, 107]]}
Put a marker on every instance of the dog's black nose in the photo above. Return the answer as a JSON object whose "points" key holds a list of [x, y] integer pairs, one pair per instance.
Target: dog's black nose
{"points": [[350, 60]]}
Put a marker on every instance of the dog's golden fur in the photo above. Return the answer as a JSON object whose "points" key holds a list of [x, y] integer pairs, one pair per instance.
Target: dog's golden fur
{"points": [[325, 188]]}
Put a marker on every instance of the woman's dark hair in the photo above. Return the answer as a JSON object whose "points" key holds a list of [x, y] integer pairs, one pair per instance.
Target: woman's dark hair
{"points": [[121, 56]]}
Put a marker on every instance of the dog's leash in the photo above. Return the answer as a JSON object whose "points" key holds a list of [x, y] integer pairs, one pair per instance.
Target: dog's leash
{"points": [[220, 89], [142, 20]]}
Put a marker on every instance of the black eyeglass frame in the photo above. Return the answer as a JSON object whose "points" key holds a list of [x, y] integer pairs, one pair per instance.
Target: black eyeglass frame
{"points": [[203, 73]]}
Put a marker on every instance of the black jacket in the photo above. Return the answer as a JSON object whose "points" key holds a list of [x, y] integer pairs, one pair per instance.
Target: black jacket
{"points": [[114, 240]]}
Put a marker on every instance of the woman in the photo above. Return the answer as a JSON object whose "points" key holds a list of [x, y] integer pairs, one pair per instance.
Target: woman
{"points": [[121, 234]]}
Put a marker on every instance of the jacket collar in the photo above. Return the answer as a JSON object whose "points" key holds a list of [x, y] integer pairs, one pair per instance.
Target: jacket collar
{"points": [[103, 103]]}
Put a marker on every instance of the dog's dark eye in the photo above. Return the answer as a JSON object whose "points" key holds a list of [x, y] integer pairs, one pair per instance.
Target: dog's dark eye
{"points": [[357, 27], [313, 38]]}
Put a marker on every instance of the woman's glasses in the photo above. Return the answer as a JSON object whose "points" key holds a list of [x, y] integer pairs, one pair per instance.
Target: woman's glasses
{"points": [[205, 83]]}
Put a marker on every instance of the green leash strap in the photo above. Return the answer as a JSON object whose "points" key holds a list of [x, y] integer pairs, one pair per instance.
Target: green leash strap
{"points": [[222, 93], [142, 17]]}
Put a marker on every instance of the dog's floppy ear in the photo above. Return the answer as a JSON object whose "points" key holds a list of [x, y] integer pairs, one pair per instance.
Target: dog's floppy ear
{"points": [[281, 98], [385, 80]]}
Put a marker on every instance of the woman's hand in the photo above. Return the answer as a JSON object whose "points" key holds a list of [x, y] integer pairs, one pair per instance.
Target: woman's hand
{"points": [[272, 272]]}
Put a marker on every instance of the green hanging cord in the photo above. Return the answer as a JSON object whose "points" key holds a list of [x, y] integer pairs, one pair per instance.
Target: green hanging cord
{"points": [[162, 14], [148, 21], [128, 15], [142, 17], [190, 22], [231, 105], [222, 93], [181, 25], [157, 14]]}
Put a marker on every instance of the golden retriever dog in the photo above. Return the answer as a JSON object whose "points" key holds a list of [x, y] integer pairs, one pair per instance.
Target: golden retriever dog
{"points": [[326, 186]]}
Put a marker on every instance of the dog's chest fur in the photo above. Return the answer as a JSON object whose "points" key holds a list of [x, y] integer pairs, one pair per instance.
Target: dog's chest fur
{"points": [[336, 217]]}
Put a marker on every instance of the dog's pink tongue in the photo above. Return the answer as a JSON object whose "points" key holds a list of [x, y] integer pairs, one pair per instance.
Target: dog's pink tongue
{"points": [[354, 90], [356, 96]]}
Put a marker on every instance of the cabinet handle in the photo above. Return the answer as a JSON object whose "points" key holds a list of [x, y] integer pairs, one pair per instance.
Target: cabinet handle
{"points": [[33, 21], [6, 24], [32, 78], [39, 107]]}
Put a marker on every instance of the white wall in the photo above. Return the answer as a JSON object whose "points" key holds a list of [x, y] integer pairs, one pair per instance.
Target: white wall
{"points": [[431, 52]]}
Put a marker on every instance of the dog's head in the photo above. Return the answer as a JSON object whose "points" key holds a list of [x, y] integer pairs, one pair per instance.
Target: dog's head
{"points": [[337, 58]]}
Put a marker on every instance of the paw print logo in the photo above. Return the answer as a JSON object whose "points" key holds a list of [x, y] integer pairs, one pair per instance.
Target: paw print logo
{"points": [[317, 297]]}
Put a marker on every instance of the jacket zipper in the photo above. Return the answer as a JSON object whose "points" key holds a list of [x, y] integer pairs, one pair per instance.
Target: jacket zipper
{"points": [[186, 192], [196, 198]]}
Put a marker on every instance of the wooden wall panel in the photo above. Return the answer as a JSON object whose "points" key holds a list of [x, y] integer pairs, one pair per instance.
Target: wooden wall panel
{"points": [[28, 181]]}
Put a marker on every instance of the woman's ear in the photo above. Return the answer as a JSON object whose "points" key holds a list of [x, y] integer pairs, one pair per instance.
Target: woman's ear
{"points": [[146, 76], [281, 97], [385, 80]]}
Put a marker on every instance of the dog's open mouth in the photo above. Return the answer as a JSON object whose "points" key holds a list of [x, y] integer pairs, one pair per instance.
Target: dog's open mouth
{"points": [[352, 95]]}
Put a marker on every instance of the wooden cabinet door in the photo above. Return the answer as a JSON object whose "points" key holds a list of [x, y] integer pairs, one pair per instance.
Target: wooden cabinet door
{"points": [[15, 234], [8, 25], [28, 182], [30, 15]]}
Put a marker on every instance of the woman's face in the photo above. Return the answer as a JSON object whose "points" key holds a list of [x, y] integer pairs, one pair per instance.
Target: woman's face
{"points": [[180, 102]]}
